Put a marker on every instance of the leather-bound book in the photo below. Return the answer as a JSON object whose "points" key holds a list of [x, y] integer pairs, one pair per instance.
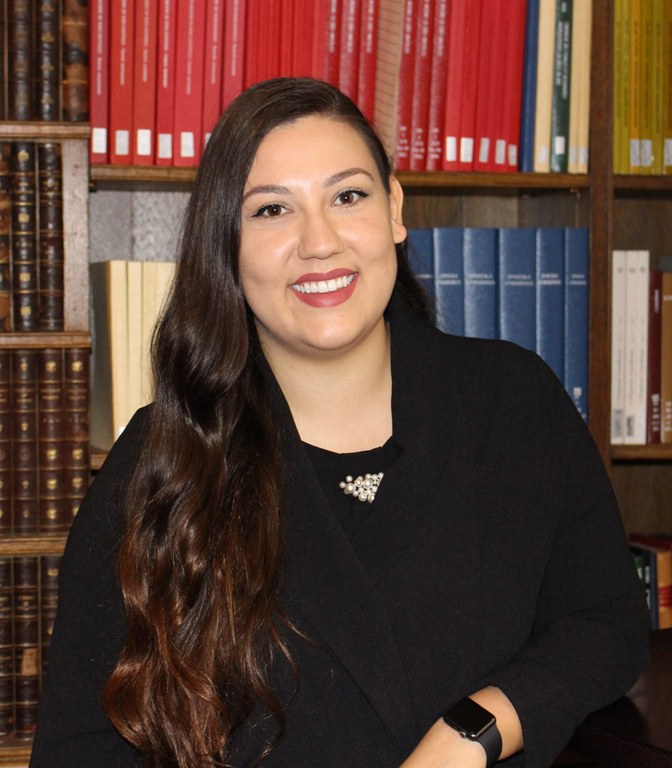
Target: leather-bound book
{"points": [[5, 444], [76, 429], [26, 643], [20, 60], [75, 83], [24, 441], [50, 566], [50, 236], [47, 60], [23, 243], [6, 648], [50, 440], [5, 232]]}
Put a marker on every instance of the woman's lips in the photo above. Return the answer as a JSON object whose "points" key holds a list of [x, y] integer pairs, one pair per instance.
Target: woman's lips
{"points": [[327, 289]]}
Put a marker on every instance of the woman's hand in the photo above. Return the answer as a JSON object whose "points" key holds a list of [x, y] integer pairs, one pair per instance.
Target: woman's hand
{"points": [[443, 747]]}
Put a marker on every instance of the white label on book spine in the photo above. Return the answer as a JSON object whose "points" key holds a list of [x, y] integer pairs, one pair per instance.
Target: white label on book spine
{"points": [[144, 142], [667, 152], [451, 149], [559, 145], [187, 144], [484, 150], [165, 146], [646, 153], [99, 140], [122, 142], [466, 149], [500, 152], [634, 152]]}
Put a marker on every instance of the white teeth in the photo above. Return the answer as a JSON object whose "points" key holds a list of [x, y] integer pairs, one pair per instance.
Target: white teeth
{"points": [[324, 286]]}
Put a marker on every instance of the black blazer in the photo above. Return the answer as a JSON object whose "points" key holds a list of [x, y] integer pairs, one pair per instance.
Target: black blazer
{"points": [[493, 554]]}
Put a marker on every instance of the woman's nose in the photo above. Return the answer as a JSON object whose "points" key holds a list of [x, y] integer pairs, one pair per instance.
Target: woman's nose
{"points": [[319, 236]]}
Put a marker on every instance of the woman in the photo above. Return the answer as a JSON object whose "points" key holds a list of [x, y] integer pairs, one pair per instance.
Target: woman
{"points": [[224, 586]]}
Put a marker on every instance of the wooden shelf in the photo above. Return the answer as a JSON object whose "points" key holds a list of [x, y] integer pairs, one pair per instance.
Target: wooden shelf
{"points": [[15, 753], [635, 183], [14, 129], [48, 339], [34, 544], [641, 452]]}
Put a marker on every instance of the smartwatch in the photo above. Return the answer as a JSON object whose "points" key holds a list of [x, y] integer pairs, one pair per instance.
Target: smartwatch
{"points": [[475, 723]]}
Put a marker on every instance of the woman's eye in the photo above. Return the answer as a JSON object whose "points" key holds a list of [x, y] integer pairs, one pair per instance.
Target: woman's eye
{"points": [[269, 211], [350, 196]]}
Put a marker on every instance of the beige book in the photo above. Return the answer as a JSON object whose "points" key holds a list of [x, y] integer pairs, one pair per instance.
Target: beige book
{"points": [[544, 97]]}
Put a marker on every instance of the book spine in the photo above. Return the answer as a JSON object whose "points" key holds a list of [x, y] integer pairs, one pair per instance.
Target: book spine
{"points": [[507, 146], [348, 67], [302, 37], [368, 48], [437, 96], [576, 317], [75, 430], [47, 60], [634, 86], [5, 238], [6, 463], [3, 61], [653, 359], [6, 648], [50, 237], [21, 60], [121, 80], [658, 23], [636, 345], [50, 444], [422, 72], [489, 90], [49, 567], [421, 259], [585, 8], [621, 78], [527, 109], [212, 75], [666, 360], [24, 441], [99, 63], [646, 89], [453, 101], [618, 309], [26, 643], [165, 86], [472, 53], [516, 250], [562, 56], [144, 82], [326, 42], [667, 89], [187, 131], [75, 82], [544, 95], [234, 50], [480, 282], [449, 279], [23, 236], [288, 23], [550, 297], [405, 87]]}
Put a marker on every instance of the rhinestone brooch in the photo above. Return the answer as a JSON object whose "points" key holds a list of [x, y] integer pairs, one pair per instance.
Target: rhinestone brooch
{"points": [[363, 488]]}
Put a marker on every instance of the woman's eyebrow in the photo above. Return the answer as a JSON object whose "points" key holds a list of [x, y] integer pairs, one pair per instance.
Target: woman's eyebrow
{"points": [[336, 178], [265, 189], [341, 175]]}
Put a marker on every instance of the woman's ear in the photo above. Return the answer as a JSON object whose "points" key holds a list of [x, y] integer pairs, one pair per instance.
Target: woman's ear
{"points": [[396, 205]]}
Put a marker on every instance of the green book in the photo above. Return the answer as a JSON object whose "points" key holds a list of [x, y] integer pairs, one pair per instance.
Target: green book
{"points": [[561, 81]]}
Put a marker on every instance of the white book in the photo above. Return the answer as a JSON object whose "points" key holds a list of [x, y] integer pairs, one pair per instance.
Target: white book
{"points": [[636, 345], [618, 347]]}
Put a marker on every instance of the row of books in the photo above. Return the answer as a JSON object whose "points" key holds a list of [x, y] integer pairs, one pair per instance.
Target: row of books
{"points": [[44, 73], [127, 297], [642, 83], [44, 438], [162, 70], [28, 599], [495, 85], [641, 350], [526, 285], [652, 554], [31, 236]]}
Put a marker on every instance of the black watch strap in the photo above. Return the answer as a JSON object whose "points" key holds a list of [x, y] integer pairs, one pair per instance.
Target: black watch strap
{"points": [[491, 741], [474, 722]]}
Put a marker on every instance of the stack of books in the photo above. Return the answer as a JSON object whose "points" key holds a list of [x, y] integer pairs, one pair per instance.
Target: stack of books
{"points": [[641, 350], [652, 554], [642, 82], [44, 65], [526, 285]]}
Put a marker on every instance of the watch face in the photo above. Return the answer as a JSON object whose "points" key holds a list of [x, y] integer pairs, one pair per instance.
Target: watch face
{"points": [[469, 718]]}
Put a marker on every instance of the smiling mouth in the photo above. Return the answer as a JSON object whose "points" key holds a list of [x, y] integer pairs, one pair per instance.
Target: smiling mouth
{"points": [[324, 286]]}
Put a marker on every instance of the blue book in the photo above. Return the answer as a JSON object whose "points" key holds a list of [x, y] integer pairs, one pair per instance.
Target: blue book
{"points": [[550, 257], [576, 317], [529, 95], [421, 258], [517, 290], [449, 279], [480, 282]]}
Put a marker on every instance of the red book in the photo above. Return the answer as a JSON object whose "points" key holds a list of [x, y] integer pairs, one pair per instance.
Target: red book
{"points": [[287, 23], [144, 86], [234, 50], [348, 64], [326, 37], [188, 113], [422, 73], [514, 19], [99, 78], [165, 85], [368, 49], [254, 31], [653, 358], [214, 55], [121, 80], [437, 88], [302, 38], [490, 86], [405, 87]]}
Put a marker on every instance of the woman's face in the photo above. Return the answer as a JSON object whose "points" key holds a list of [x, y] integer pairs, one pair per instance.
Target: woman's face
{"points": [[318, 233]]}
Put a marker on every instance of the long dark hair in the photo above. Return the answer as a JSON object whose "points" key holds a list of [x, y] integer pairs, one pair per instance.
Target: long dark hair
{"points": [[201, 559]]}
